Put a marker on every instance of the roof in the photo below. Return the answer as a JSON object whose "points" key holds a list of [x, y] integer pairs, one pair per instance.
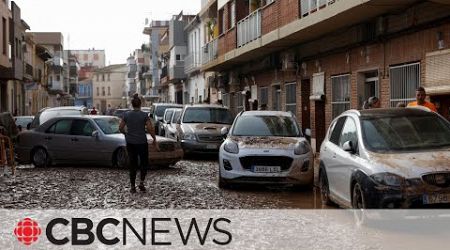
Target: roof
{"points": [[389, 112], [266, 113], [110, 68]]}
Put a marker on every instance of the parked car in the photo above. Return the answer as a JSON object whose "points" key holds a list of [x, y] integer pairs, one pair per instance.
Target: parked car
{"points": [[172, 126], [46, 114], [265, 147], [87, 139], [200, 127], [157, 113], [23, 122], [168, 114], [120, 112], [386, 158]]}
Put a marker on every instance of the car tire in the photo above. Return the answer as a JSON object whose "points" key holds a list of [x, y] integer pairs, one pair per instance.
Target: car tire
{"points": [[120, 158], [358, 198], [324, 189], [40, 157]]}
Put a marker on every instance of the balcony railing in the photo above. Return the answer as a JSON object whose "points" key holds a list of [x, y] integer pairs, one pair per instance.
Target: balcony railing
{"points": [[29, 70], [249, 28], [310, 6], [191, 62], [209, 51]]}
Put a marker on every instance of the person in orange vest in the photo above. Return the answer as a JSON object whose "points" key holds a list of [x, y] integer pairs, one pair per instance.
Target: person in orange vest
{"points": [[420, 100]]}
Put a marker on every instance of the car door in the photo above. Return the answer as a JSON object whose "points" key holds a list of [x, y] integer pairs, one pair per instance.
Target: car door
{"points": [[346, 162], [328, 153], [57, 140], [82, 142]]}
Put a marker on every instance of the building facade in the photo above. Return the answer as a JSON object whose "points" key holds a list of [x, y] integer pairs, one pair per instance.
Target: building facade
{"points": [[108, 86], [90, 57], [320, 58]]}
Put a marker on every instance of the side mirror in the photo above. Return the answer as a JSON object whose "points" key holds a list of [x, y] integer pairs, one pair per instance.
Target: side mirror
{"points": [[95, 134], [308, 132], [349, 147], [224, 132]]}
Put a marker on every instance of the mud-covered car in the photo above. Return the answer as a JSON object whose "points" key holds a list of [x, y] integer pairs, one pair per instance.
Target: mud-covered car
{"points": [[172, 126], [386, 158], [200, 127], [265, 147], [157, 113], [87, 140]]}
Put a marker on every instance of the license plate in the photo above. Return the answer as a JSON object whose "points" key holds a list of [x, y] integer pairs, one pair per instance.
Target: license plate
{"points": [[436, 198], [266, 169], [211, 146]]}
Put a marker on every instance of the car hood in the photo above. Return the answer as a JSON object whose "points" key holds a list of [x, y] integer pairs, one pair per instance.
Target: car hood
{"points": [[203, 128], [265, 142], [412, 165]]}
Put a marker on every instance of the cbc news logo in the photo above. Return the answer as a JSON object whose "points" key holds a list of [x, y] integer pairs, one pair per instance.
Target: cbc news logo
{"points": [[27, 231]]}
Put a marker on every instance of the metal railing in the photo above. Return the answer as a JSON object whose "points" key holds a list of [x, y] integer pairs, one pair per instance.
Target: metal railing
{"points": [[210, 51], [310, 6], [249, 28]]}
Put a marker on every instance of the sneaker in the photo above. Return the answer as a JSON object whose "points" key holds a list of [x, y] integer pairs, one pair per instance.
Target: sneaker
{"points": [[142, 187], [133, 190]]}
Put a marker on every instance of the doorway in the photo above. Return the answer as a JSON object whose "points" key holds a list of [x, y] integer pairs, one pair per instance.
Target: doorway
{"points": [[305, 89], [320, 123], [276, 98]]}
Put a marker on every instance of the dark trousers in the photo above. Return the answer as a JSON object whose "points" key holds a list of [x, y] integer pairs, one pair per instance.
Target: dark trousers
{"points": [[135, 152]]}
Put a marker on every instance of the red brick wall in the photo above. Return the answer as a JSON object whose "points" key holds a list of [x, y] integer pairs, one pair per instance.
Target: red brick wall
{"points": [[278, 14], [289, 10]]}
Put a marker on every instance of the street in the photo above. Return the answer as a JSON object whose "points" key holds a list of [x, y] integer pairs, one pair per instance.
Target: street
{"points": [[190, 184]]}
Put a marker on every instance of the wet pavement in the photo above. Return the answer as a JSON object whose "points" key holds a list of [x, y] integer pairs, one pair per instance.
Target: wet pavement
{"points": [[189, 184]]}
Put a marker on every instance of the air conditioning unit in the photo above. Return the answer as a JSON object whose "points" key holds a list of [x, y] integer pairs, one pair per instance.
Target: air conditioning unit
{"points": [[288, 62]]}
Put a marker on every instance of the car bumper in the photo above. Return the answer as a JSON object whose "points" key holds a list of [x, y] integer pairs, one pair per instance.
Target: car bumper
{"points": [[416, 196], [200, 147], [299, 172]]}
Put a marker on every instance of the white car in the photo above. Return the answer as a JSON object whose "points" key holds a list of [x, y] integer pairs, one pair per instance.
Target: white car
{"points": [[172, 126], [265, 147], [386, 158]]}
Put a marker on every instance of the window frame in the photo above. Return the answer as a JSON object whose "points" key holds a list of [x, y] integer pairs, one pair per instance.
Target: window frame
{"points": [[342, 100], [286, 87]]}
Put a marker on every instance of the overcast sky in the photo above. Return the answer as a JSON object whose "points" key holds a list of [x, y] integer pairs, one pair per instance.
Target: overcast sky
{"points": [[113, 25]]}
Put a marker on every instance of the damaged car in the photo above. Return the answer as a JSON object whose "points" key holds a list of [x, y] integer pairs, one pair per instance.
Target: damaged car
{"points": [[386, 158], [265, 147]]}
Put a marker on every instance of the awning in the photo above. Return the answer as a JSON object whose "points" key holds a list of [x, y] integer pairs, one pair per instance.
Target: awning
{"points": [[438, 90]]}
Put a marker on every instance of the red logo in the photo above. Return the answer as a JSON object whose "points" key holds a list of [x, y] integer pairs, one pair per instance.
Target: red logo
{"points": [[27, 231]]}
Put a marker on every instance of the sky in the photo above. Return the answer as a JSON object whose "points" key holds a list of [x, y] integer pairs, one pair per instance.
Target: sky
{"points": [[112, 25]]}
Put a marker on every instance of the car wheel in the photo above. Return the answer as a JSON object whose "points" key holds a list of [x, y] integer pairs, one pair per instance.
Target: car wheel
{"points": [[121, 158], [358, 199], [40, 158], [324, 188]]}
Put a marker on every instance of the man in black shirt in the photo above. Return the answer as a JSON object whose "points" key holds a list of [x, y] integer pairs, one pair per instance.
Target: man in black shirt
{"points": [[137, 146]]}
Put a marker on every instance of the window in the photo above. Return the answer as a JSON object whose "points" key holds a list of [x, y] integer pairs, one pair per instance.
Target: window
{"points": [[61, 127], [109, 77], [85, 57], [58, 78], [222, 21], [349, 133], [276, 97], [226, 99], [340, 91], [103, 91], [263, 96], [404, 80], [109, 90], [98, 91], [81, 127], [4, 35], [239, 102], [233, 14], [291, 100], [103, 77], [95, 57], [336, 129], [368, 87], [178, 57]]}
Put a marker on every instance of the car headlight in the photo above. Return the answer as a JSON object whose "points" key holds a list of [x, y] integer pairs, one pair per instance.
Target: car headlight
{"points": [[189, 137], [301, 148], [231, 147], [388, 179]]}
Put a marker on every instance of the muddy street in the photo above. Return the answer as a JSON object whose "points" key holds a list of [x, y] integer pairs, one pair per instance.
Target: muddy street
{"points": [[191, 183]]}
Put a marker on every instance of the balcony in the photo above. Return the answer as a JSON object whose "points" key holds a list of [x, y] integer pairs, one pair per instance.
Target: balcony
{"points": [[192, 63], [249, 28], [310, 6], [210, 51], [28, 71]]}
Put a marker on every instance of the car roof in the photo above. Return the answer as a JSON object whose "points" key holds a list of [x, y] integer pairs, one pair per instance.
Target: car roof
{"points": [[388, 112], [206, 106], [266, 113], [24, 116], [66, 108], [167, 104]]}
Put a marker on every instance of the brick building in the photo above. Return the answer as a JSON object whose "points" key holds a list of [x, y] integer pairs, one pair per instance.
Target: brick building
{"points": [[318, 58]]}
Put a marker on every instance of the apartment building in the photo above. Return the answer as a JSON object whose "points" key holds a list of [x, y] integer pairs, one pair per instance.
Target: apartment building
{"points": [[108, 86], [318, 58], [90, 57], [5, 53]]}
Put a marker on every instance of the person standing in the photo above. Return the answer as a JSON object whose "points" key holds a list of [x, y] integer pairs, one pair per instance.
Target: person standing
{"points": [[136, 139], [93, 111], [420, 100]]}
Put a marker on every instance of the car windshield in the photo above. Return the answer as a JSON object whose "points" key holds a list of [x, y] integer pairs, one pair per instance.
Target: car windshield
{"points": [[207, 115], [161, 109], [404, 133], [109, 125], [280, 126]]}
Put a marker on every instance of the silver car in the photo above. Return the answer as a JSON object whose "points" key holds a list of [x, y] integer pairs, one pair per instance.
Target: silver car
{"points": [[386, 158], [168, 114], [86, 140], [265, 147], [172, 126]]}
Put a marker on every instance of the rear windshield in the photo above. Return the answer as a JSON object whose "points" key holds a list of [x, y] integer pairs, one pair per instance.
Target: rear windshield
{"points": [[404, 133], [207, 115]]}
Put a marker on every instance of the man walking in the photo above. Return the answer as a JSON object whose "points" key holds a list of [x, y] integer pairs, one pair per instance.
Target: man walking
{"points": [[420, 100], [137, 146]]}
